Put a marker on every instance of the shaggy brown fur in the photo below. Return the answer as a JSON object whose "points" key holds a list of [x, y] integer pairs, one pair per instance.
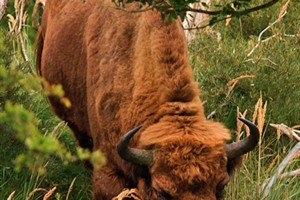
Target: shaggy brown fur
{"points": [[120, 70]]}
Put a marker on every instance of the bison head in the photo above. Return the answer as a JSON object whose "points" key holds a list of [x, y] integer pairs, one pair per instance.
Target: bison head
{"points": [[185, 164]]}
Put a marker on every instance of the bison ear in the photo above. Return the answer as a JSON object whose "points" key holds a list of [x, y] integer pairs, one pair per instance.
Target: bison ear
{"points": [[136, 156]]}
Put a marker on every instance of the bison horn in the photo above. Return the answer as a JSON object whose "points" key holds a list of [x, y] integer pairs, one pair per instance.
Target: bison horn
{"points": [[236, 149], [137, 156]]}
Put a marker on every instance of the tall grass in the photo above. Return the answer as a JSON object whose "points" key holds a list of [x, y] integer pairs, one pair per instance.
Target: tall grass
{"points": [[238, 63], [260, 165]]}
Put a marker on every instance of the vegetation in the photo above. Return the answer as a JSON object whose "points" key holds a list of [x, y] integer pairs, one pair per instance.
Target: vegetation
{"points": [[241, 61], [240, 65], [39, 157], [220, 10]]}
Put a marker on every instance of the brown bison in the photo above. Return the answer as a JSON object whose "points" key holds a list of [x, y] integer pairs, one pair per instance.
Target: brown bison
{"points": [[123, 70]]}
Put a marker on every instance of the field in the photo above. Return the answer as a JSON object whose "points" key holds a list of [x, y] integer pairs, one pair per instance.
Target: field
{"points": [[249, 66]]}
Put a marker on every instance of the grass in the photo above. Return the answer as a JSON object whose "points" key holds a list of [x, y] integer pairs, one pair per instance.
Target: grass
{"points": [[220, 53], [259, 165], [218, 57], [244, 183], [58, 174]]}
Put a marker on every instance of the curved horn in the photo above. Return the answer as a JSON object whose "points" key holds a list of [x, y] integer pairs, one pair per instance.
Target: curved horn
{"points": [[236, 149], [137, 156]]}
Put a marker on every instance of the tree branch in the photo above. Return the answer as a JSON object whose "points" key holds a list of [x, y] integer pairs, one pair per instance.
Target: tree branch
{"points": [[233, 12], [162, 5], [263, 6]]}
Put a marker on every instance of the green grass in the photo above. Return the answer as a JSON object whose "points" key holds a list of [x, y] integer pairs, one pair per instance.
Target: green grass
{"points": [[58, 174], [218, 55]]}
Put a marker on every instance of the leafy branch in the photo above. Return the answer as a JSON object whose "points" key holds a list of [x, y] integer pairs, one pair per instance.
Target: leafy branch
{"points": [[175, 8]]}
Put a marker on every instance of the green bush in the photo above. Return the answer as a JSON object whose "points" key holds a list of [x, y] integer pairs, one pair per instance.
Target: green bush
{"points": [[37, 149]]}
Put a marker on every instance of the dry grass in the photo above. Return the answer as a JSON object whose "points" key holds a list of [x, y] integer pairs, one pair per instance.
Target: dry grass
{"points": [[42, 193], [233, 82], [128, 194], [10, 197], [48, 193], [70, 188]]}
